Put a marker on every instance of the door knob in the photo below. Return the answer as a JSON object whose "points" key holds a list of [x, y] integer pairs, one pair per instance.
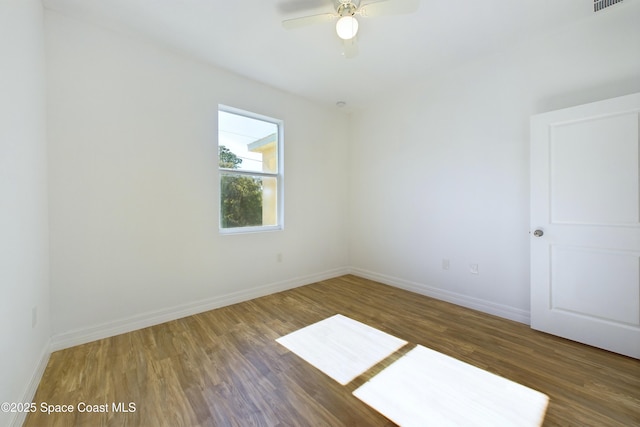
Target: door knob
{"points": [[538, 233]]}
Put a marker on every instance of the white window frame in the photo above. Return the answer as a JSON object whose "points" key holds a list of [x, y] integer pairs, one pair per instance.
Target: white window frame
{"points": [[279, 175]]}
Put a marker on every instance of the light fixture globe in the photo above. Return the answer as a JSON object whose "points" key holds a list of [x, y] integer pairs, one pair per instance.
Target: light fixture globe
{"points": [[347, 27]]}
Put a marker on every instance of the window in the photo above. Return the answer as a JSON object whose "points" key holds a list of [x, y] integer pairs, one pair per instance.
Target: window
{"points": [[250, 166]]}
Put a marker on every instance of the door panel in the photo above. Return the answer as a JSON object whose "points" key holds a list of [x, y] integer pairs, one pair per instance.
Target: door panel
{"points": [[585, 197], [577, 278], [594, 171]]}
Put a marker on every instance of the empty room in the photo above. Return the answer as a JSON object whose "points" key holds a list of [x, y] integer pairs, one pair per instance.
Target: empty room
{"points": [[319, 213]]}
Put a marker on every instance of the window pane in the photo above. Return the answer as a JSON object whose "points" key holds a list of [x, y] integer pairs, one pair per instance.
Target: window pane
{"points": [[248, 201], [247, 144], [269, 201]]}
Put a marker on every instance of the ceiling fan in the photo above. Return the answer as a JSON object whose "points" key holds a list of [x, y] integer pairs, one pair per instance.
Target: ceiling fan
{"points": [[345, 16]]}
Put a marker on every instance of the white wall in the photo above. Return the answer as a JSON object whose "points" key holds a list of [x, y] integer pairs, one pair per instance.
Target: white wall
{"points": [[24, 264], [441, 171], [133, 186]]}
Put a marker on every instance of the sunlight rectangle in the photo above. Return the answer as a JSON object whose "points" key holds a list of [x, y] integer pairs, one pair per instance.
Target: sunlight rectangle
{"points": [[341, 347], [427, 388]]}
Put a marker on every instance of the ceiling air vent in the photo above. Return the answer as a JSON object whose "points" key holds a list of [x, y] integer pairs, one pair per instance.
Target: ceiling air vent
{"points": [[598, 5]]}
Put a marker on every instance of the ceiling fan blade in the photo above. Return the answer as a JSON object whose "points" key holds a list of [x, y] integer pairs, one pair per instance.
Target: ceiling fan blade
{"points": [[299, 6], [350, 48], [388, 7], [304, 21]]}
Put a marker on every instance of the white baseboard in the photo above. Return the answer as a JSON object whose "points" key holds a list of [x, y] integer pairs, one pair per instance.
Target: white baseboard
{"points": [[132, 323], [32, 387], [144, 320], [504, 311]]}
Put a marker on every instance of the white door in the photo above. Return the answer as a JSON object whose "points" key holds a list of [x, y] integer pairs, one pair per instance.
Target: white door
{"points": [[585, 224]]}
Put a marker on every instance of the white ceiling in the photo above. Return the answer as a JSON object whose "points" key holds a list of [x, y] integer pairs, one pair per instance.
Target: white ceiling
{"points": [[246, 37]]}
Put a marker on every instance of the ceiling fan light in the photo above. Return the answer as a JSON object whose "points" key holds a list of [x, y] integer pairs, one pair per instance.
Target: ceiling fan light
{"points": [[347, 27]]}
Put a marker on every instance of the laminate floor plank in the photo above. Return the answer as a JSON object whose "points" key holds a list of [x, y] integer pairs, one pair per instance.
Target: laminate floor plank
{"points": [[224, 367]]}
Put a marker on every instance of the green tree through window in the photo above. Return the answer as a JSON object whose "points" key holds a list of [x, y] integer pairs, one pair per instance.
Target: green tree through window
{"points": [[241, 196]]}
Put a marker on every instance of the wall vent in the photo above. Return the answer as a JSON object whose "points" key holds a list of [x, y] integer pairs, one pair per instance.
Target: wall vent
{"points": [[598, 5]]}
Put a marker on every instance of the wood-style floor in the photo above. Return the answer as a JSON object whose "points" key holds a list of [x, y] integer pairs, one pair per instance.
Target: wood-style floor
{"points": [[224, 368]]}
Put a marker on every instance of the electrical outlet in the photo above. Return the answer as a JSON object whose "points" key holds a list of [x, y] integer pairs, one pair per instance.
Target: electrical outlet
{"points": [[445, 264], [473, 269], [279, 257]]}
